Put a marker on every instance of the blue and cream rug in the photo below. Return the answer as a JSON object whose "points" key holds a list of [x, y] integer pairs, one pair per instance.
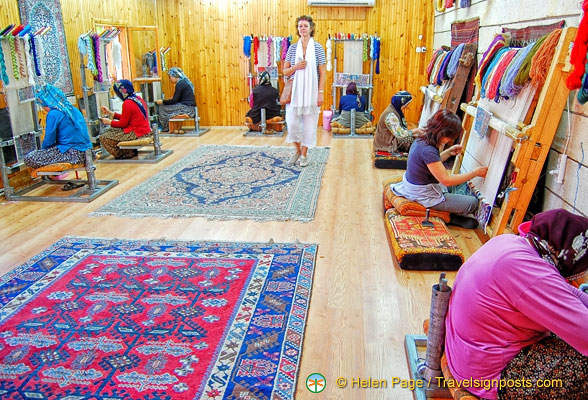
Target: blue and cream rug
{"points": [[228, 182]]}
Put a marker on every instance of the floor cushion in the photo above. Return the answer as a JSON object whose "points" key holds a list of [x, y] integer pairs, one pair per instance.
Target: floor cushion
{"points": [[419, 247], [386, 160], [410, 208], [365, 129]]}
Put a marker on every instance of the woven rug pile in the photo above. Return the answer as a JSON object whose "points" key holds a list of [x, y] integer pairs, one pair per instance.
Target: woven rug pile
{"points": [[155, 320], [228, 182]]}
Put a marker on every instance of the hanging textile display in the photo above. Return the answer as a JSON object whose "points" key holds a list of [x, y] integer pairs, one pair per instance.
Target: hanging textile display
{"points": [[56, 65], [578, 56], [377, 54], [269, 51]]}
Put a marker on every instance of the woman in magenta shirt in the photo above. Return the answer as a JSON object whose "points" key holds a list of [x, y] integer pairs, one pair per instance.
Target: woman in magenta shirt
{"points": [[513, 316]]}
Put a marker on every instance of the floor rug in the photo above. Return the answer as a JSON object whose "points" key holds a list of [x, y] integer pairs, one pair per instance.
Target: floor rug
{"points": [[228, 182], [155, 320]]}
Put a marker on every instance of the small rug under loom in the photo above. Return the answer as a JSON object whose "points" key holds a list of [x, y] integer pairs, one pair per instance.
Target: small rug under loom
{"points": [[228, 182], [127, 319]]}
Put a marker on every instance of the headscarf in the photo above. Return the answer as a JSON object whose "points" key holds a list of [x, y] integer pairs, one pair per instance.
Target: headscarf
{"points": [[561, 238], [176, 72], [130, 94], [52, 97], [398, 101], [352, 89], [264, 78]]}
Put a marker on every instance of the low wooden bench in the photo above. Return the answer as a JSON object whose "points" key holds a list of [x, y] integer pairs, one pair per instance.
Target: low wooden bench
{"points": [[148, 156], [81, 190], [184, 125]]}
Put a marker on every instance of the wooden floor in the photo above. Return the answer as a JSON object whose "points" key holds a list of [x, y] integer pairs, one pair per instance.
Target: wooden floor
{"points": [[362, 304]]}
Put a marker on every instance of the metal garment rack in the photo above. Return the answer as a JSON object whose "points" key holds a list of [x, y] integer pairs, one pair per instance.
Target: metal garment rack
{"points": [[335, 87]]}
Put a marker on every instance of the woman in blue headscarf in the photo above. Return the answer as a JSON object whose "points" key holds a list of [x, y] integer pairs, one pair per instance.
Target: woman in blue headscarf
{"points": [[264, 96], [183, 101], [66, 135], [131, 124], [392, 133]]}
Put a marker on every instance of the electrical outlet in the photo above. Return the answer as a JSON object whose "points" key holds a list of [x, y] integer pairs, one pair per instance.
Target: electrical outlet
{"points": [[561, 168]]}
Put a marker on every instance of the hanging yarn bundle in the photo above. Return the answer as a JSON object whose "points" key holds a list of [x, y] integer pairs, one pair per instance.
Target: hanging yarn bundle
{"points": [[522, 77], [508, 88], [429, 69], [96, 44], [448, 3], [269, 51], [579, 52], [278, 52], [365, 49], [465, 3], [329, 53], [255, 50], [377, 54], [498, 43], [439, 6], [583, 92], [3, 72], [20, 56], [498, 73], [35, 56], [247, 46], [15, 71], [490, 71], [454, 60], [284, 48], [542, 60]]}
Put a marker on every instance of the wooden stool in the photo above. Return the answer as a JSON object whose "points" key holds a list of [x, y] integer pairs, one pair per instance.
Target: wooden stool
{"points": [[180, 123], [148, 156]]}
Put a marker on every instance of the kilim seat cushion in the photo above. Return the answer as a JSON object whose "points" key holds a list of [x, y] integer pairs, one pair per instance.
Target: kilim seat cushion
{"points": [[386, 160], [456, 392], [419, 247], [137, 142], [409, 208], [57, 167]]}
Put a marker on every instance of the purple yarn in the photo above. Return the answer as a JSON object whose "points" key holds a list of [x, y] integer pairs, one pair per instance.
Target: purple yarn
{"points": [[465, 3], [96, 44], [284, 48], [497, 38]]}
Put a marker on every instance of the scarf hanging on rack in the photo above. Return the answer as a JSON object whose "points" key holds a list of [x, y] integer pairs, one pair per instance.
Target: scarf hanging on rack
{"points": [[269, 51], [255, 50], [247, 46], [96, 43], [579, 53], [91, 57], [377, 54], [436, 67]]}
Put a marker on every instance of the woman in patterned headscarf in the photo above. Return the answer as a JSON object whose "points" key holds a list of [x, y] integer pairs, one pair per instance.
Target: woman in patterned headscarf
{"points": [[264, 96], [131, 124], [182, 102], [392, 134], [66, 135], [515, 318]]}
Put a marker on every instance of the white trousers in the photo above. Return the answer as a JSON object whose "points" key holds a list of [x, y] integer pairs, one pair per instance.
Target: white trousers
{"points": [[301, 128]]}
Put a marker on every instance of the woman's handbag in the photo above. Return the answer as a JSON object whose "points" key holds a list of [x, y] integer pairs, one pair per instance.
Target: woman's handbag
{"points": [[286, 96]]}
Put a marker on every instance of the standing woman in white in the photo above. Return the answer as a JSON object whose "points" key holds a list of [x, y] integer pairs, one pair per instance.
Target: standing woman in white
{"points": [[305, 63]]}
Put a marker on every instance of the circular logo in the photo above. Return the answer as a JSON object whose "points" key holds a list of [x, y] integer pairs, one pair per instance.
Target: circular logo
{"points": [[316, 383]]}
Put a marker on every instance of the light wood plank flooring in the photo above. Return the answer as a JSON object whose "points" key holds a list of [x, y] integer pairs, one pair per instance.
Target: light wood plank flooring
{"points": [[362, 303]]}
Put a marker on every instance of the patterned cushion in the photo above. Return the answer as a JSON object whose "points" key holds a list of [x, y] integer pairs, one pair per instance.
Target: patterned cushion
{"points": [[418, 247], [409, 208], [365, 129], [57, 167], [137, 142], [456, 392]]}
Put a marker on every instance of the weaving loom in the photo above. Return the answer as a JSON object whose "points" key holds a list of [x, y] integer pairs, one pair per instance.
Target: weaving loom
{"points": [[508, 137]]}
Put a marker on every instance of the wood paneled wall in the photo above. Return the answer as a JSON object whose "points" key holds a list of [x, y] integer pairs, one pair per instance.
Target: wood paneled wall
{"points": [[205, 37], [206, 42]]}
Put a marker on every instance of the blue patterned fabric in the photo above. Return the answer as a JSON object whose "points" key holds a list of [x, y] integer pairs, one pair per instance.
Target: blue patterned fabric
{"points": [[228, 182], [42, 13]]}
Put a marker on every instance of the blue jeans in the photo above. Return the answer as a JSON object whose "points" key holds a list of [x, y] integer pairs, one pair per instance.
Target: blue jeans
{"points": [[457, 204]]}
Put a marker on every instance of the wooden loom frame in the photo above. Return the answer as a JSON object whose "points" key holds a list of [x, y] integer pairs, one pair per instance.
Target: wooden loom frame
{"points": [[531, 141]]}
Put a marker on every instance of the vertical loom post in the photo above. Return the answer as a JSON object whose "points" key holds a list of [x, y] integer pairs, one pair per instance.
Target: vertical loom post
{"points": [[352, 124], [156, 142], [441, 292], [90, 170], [263, 124]]}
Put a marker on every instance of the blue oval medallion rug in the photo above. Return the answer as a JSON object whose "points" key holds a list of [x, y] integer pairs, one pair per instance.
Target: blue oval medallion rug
{"points": [[228, 182]]}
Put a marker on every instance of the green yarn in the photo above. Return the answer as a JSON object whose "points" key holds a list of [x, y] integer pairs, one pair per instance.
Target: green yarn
{"points": [[523, 76]]}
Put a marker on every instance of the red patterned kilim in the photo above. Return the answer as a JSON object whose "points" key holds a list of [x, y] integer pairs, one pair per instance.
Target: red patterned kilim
{"points": [[107, 319]]}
